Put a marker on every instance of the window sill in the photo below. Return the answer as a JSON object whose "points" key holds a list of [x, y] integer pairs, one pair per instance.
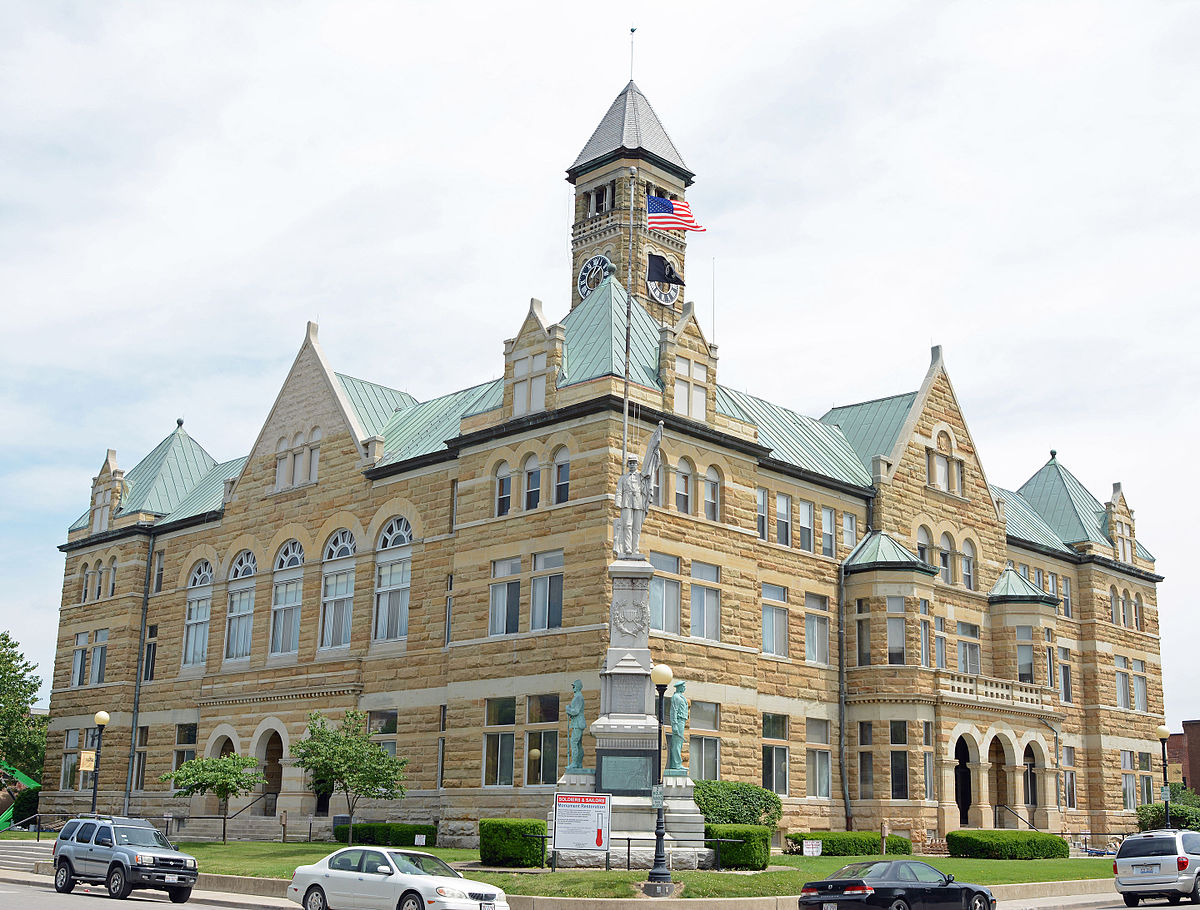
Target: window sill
{"points": [[387, 647], [290, 489], [192, 672], [235, 664], [283, 659], [948, 494], [336, 652], [695, 640]]}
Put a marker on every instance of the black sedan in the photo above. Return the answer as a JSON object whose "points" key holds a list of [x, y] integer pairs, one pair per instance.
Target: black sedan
{"points": [[894, 884]]}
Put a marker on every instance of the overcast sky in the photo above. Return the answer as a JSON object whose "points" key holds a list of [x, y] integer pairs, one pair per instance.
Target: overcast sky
{"points": [[183, 185]]}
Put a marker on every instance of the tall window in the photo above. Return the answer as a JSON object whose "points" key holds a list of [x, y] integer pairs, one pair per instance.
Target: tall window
{"points": [[100, 657], [85, 583], [562, 475], [1137, 613], [895, 631], [1068, 761], [314, 453], [541, 709], [239, 618], [296, 463], [1064, 675], [185, 744], [139, 758], [503, 489], [393, 578], [924, 544], [712, 494], [760, 512], [529, 387], [968, 565], [112, 576], [944, 553], [939, 642], [849, 530], [1066, 596], [1139, 684], [337, 589], [968, 648], [816, 628], [863, 630], [775, 754], [1128, 780], [930, 792], [817, 759], [195, 622], [899, 759], [804, 525], [1025, 654], [69, 779], [159, 559], [504, 609], [866, 776], [705, 751], [1114, 606], [926, 652], [533, 482], [664, 593], [1124, 541], [287, 589], [828, 529], [98, 577], [656, 485], [79, 659], [774, 620], [783, 519], [706, 601], [684, 478], [1122, 664], [151, 654], [498, 744], [690, 376], [546, 610]]}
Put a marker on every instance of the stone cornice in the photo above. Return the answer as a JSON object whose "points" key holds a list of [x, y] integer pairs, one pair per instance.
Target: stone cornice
{"points": [[259, 697]]}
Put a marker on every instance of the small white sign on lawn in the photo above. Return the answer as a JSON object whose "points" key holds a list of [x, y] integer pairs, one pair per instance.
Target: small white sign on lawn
{"points": [[581, 821], [419, 840], [812, 848]]}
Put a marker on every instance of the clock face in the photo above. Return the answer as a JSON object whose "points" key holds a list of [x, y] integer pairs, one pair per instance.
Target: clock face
{"points": [[591, 273], [664, 293]]}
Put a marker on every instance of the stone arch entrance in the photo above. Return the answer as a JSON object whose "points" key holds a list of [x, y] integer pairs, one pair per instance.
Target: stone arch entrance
{"points": [[1030, 778], [270, 753], [998, 781], [962, 780]]}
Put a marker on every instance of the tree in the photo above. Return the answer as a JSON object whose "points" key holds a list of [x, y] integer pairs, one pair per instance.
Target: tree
{"points": [[226, 776], [346, 758], [22, 734]]}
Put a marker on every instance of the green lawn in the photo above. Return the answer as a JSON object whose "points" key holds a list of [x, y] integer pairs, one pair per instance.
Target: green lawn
{"points": [[979, 871], [25, 835], [267, 859]]}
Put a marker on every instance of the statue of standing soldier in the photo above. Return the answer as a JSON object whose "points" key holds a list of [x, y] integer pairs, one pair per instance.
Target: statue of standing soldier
{"points": [[576, 724], [679, 719], [633, 498]]}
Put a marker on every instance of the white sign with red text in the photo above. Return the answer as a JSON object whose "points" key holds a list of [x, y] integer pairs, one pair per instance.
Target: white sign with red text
{"points": [[581, 821]]}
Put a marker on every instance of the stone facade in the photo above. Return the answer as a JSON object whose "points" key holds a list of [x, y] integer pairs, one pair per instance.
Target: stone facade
{"points": [[956, 708]]}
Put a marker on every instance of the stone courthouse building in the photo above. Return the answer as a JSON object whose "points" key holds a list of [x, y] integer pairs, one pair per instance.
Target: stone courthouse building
{"points": [[866, 624]]}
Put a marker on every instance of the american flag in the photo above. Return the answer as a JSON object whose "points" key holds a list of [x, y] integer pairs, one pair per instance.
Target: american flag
{"points": [[669, 215]]}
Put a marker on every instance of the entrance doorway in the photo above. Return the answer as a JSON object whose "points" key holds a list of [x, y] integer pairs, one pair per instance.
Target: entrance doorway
{"points": [[962, 781], [273, 772]]}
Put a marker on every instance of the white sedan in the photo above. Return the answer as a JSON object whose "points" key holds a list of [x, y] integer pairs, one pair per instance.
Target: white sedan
{"points": [[381, 878]]}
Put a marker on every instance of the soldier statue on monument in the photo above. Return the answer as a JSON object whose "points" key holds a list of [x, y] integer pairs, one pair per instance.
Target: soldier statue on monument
{"points": [[633, 498]]}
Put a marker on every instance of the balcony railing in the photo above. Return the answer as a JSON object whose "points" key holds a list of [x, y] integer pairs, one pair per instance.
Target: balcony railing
{"points": [[988, 689]]}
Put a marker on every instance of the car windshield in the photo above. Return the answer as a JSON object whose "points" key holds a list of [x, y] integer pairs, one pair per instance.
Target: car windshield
{"points": [[421, 864], [862, 870], [142, 837], [1147, 846]]}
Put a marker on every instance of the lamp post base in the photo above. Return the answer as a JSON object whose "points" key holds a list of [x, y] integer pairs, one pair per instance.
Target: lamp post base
{"points": [[658, 889]]}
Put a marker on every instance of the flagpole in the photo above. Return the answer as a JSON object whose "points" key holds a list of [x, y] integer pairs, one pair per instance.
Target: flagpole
{"points": [[628, 320]]}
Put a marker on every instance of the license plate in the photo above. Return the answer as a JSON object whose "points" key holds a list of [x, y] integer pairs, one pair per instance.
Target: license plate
{"points": [[829, 905], [487, 905], [170, 878], [1146, 870]]}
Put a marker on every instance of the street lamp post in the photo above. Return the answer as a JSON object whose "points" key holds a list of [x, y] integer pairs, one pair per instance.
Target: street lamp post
{"points": [[661, 676], [101, 723], [1163, 735]]}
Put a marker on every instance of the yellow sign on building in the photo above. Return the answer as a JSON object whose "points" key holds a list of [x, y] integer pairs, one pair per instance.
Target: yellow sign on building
{"points": [[87, 760], [1175, 772]]}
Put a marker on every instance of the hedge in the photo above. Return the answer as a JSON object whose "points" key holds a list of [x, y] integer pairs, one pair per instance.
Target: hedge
{"points": [[386, 834], [502, 841], [848, 843], [755, 853], [1153, 816], [26, 804], [730, 802], [1006, 845]]}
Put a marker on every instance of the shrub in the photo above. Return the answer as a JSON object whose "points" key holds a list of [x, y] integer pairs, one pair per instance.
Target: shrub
{"points": [[502, 841], [1006, 845], [26, 804], [386, 834], [1153, 816], [755, 853], [730, 802], [848, 843]]}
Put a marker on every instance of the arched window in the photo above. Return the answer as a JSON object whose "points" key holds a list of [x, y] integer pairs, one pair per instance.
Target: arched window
{"points": [[533, 482], [298, 459], [112, 576], [314, 453], [393, 576], [684, 480], [1114, 606], [282, 471], [239, 618], [99, 579], [924, 544], [656, 486], [712, 494], [287, 590], [195, 620], [944, 554], [1126, 609], [1138, 615], [968, 565], [562, 475], [503, 489], [1031, 789], [85, 583], [337, 590]]}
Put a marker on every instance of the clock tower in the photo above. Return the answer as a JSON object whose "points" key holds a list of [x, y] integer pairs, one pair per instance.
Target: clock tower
{"points": [[630, 136]]}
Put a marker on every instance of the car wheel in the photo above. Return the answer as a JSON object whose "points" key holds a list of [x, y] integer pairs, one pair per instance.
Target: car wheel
{"points": [[314, 899], [979, 902], [179, 895], [1195, 895], [64, 881], [898, 905], [410, 900], [118, 884], [1131, 900]]}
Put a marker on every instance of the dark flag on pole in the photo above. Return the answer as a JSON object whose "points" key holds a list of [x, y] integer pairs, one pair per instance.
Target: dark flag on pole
{"points": [[662, 271]]}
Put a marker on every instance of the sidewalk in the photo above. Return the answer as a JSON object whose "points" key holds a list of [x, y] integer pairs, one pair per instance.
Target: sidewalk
{"points": [[209, 898]]}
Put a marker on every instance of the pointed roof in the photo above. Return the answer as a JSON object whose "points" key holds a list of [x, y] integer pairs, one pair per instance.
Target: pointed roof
{"points": [[879, 550], [209, 494], [425, 427], [374, 404], [872, 427], [1013, 587], [1065, 503], [1025, 523], [630, 129], [595, 339], [160, 481]]}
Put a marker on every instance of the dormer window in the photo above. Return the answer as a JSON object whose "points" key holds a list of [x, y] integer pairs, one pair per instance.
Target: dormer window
{"points": [[296, 462], [1124, 541], [690, 391], [943, 470], [529, 385]]}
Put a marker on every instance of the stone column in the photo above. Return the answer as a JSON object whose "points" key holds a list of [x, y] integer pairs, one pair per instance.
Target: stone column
{"points": [[981, 801], [1014, 776], [948, 818], [294, 796]]}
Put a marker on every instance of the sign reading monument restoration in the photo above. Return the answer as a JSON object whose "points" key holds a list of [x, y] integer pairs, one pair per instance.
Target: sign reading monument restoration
{"points": [[581, 821]]}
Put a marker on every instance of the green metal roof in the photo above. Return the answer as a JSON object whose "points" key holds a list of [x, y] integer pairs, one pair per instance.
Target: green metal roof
{"points": [[374, 404], [872, 427], [425, 427], [161, 480], [879, 550], [209, 493], [595, 339], [1012, 587], [489, 400], [796, 439], [1074, 513], [1026, 524]]}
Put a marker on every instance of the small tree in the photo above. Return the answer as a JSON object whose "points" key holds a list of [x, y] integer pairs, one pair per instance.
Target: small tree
{"points": [[22, 733], [346, 758], [226, 776]]}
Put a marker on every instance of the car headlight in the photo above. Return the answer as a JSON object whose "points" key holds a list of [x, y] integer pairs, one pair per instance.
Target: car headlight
{"points": [[452, 893], [190, 863], [141, 859]]}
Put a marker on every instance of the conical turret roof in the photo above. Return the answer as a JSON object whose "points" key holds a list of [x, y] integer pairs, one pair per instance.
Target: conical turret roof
{"points": [[630, 129]]}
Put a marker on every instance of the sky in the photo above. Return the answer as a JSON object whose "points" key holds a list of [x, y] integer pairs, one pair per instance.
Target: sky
{"points": [[183, 186]]}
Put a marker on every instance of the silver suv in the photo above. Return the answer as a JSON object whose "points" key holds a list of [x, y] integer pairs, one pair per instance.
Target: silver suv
{"points": [[123, 853], [1159, 864]]}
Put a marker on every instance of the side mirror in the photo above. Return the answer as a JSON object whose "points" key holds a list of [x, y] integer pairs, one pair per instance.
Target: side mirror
{"points": [[383, 870], [104, 842], [949, 879]]}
